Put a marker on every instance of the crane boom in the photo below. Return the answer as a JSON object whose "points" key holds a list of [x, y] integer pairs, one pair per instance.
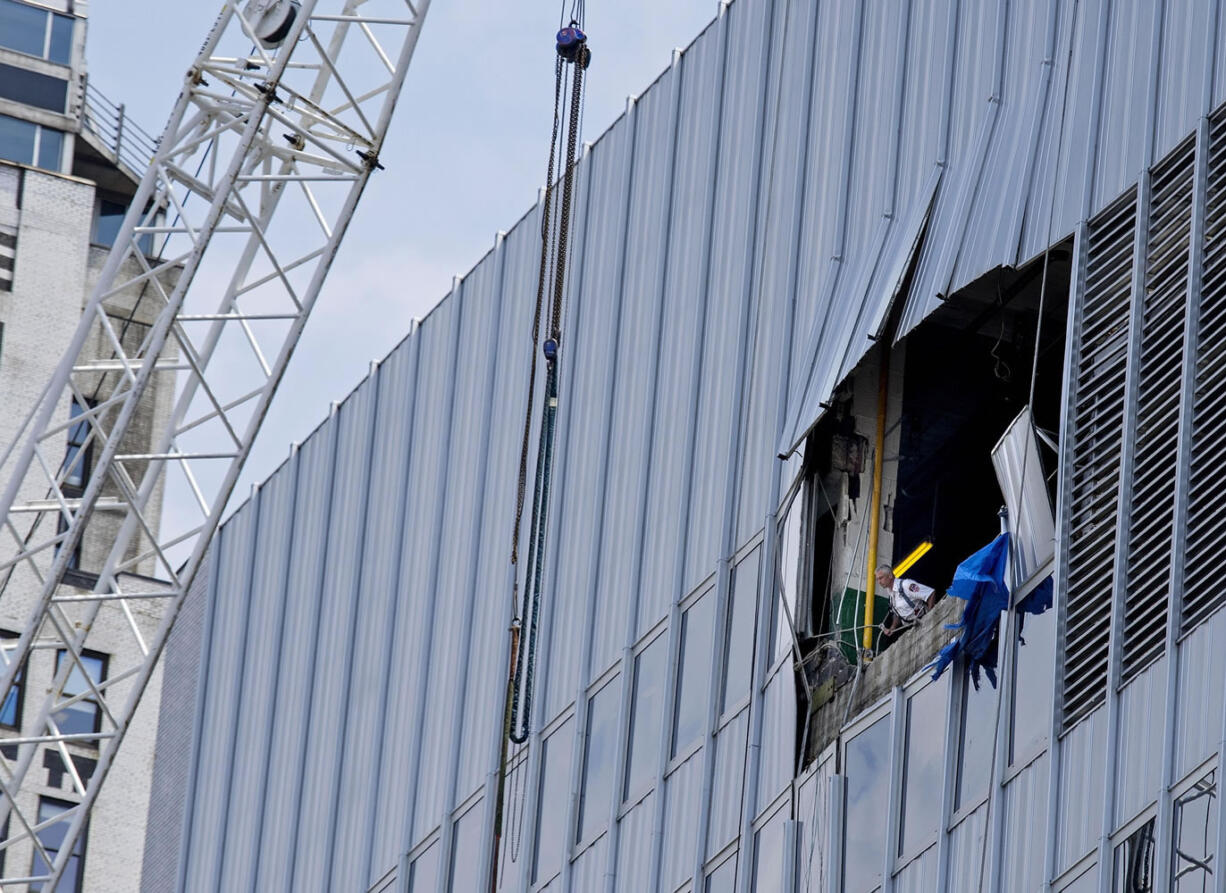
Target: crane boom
{"points": [[230, 237]]}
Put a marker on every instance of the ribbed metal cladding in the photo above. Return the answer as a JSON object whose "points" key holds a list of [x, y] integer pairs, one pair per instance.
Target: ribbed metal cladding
{"points": [[1097, 439], [1205, 553], [1152, 512]]}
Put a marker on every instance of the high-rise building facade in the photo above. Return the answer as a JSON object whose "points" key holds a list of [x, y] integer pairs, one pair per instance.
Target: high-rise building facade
{"points": [[847, 279], [70, 161]]}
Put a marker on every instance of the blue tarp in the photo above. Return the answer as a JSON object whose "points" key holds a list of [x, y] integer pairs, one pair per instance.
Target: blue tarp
{"points": [[980, 580]]}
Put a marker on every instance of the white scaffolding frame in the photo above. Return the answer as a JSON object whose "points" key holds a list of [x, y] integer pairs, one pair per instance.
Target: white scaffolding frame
{"points": [[229, 287]]}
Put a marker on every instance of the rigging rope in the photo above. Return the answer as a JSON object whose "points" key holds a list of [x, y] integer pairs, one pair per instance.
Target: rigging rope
{"points": [[573, 58]]}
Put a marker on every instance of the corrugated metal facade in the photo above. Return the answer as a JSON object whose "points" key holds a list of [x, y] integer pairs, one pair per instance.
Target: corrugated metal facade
{"points": [[740, 234]]}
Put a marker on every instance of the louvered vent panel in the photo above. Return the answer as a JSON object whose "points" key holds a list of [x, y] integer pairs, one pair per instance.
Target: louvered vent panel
{"points": [[1205, 554], [1152, 494], [1097, 427]]}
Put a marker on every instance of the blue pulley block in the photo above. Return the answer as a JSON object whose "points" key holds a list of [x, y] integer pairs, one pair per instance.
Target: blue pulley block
{"points": [[551, 350], [570, 42]]}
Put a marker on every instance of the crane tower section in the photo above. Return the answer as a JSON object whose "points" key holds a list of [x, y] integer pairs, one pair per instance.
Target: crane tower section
{"points": [[109, 507]]}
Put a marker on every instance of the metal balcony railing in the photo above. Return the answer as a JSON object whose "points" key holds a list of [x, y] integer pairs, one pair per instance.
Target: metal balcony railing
{"points": [[109, 124]]}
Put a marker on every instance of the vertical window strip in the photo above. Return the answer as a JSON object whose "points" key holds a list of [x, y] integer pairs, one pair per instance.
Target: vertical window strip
{"points": [[1152, 490], [1097, 422], [1205, 553]]}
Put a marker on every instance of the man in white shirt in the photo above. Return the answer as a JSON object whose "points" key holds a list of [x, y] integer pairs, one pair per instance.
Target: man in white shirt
{"points": [[909, 600]]}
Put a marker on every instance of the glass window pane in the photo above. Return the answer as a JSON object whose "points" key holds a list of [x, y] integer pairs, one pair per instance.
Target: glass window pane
{"points": [[16, 139], [738, 671], [423, 876], [75, 472], [1195, 836], [923, 759], [52, 837], [22, 28], [83, 717], [792, 575], [867, 796], [598, 760], [646, 715], [1087, 883], [975, 743], [768, 856], [1033, 667], [466, 852], [1134, 862], [109, 222], [697, 626], [10, 710], [50, 149], [551, 808], [61, 39], [723, 879], [32, 88]]}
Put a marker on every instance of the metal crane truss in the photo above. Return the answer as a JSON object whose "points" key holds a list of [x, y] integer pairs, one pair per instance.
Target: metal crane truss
{"points": [[246, 201]]}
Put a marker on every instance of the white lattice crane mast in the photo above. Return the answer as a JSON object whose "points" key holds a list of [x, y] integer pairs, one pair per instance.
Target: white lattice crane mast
{"points": [[280, 122]]}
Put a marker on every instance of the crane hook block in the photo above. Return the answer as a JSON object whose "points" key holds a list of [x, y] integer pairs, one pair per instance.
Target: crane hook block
{"points": [[551, 350], [572, 45]]}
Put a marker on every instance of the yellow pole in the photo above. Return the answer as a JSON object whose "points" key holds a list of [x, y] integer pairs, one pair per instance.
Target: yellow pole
{"points": [[870, 589]]}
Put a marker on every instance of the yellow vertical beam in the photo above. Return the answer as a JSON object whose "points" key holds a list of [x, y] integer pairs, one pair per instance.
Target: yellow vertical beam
{"points": [[870, 588]]}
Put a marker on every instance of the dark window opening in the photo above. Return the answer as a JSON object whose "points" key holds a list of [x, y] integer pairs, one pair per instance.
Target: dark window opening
{"points": [[75, 472], [52, 839], [967, 375], [108, 221], [1134, 862], [84, 716], [10, 708], [33, 88]]}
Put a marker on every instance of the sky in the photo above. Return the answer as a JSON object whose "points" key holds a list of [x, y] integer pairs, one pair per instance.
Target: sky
{"points": [[465, 157]]}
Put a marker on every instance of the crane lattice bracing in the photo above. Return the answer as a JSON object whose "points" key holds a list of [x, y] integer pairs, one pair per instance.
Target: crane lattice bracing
{"points": [[224, 249]]}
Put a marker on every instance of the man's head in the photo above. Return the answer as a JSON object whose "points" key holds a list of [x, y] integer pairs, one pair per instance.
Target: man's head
{"points": [[885, 576]]}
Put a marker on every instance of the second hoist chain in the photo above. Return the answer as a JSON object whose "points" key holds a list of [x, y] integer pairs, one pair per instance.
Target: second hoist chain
{"points": [[572, 49]]}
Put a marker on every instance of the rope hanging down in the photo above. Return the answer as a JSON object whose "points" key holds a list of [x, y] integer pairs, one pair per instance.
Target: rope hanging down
{"points": [[573, 57]]}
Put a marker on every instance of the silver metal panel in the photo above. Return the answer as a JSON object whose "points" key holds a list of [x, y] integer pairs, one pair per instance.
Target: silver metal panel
{"points": [[682, 790], [774, 285], [1198, 700], [630, 472], [920, 875], [684, 300], [778, 739], [411, 641], [967, 855], [377, 604], [1125, 105], [1187, 42], [488, 653], [634, 846], [1081, 787], [594, 316], [729, 277], [221, 694], [1138, 773], [261, 658], [728, 783], [813, 813], [334, 639], [459, 546], [589, 868], [1025, 807], [1032, 524], [297, 664]]}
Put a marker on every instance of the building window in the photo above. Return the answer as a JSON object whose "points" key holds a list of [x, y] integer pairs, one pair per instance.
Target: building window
{"points": [[768, 855], [551, 807], [738, 669], [108, 221], [646, 715], [423, 874], [598, 753], [10, 710], [722, 879], [1134, 862], [975, 742], [51, 835], [1195, 833], [84, 717], [78, 460], [467, 845], [923, 767], [32, 88], [867, 762], [28, 143], [36, 31], [8, 260], [697, 632], [1033, 665]]}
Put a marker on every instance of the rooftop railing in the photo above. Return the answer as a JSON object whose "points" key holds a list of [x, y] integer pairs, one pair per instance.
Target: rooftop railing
{"points": [[109, 124]]}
